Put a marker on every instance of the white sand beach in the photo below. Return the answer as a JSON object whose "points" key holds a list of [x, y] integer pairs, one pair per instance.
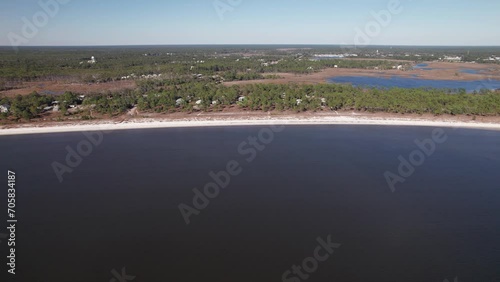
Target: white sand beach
{"points": [[239, 121]]}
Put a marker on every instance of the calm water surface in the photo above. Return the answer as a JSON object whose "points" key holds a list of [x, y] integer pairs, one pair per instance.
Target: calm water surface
{"points": [[403, 82], [119, 208]]}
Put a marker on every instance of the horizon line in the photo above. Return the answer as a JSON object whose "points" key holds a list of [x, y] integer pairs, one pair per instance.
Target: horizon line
{"points": [[250, 44]]}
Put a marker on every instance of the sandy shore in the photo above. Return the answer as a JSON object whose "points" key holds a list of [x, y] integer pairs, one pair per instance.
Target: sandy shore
{"points": [[155, 123]]}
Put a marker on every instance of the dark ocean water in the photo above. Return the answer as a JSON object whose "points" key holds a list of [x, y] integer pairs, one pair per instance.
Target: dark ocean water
{"points": [[119, 208]]}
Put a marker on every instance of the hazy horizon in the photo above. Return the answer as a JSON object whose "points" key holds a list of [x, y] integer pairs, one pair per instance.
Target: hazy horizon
{"points": [[244, 22], [258, 44]]}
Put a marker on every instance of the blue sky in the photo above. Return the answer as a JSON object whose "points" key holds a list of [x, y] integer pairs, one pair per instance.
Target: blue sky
{"points": [[142, 22]]}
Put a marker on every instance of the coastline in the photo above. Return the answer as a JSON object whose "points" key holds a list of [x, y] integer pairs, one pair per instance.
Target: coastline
{"points": [[262, 120]]}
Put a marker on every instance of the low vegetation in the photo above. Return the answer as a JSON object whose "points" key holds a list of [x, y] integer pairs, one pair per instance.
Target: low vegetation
{"points": [[189, 79], [191, 97], [230, 62]]}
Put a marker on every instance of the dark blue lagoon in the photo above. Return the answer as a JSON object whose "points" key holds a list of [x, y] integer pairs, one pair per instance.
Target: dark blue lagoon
{"points": [[119, 208], [403, 82]]}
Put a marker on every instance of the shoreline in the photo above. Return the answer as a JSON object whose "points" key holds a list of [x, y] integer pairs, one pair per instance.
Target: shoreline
{"points": [[288, 120], [437, 71]]}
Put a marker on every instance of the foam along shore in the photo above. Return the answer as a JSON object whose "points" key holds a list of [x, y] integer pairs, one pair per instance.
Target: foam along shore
{"points": [[253, 121]]}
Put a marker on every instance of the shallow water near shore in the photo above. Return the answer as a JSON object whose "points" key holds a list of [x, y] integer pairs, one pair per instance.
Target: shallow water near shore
{"points": [[403, 82], [119, 208]]}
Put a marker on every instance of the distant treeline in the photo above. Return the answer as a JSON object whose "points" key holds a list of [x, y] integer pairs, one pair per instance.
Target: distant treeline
{"points": [[122, 64], [229, 62], [191, 97]]}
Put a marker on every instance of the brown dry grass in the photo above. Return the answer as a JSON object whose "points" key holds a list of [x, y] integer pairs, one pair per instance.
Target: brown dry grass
{"points": [[441, 71], [57, 88]]}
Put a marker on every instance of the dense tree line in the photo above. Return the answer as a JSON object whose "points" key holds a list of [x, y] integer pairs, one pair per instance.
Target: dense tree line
{"points": [[199, 96], [26, 107]]}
